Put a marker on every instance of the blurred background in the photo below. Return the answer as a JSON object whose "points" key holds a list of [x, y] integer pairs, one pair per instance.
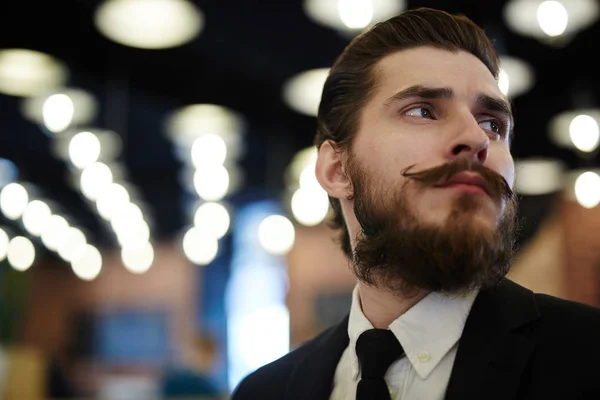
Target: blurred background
{"points": [[162, 233]]}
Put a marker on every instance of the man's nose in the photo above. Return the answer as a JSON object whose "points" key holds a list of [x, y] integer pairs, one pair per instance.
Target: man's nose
{"points": [[468, 140]]}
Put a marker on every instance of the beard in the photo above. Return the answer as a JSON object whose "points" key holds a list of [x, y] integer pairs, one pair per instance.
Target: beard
{"points": [[398, 252]]}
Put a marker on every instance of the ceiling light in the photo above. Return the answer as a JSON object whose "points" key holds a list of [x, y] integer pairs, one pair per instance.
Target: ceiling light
{"points": [[89, 264], [149, 24], [61, 109], [538, 176], [28, 73], [276, 234], [576, 129], [516, 76], [303, 91], [21, 253], [351, 16], [548, 21]]}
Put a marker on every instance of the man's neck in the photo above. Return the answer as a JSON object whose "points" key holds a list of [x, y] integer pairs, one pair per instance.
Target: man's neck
{"points": [[382, 307]]}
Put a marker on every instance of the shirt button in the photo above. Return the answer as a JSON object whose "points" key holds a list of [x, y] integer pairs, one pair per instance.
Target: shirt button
{"points": [[424, 356]]}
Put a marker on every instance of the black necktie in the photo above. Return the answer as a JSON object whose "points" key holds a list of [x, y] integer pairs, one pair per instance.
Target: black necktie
{"points": [[376, 349]]}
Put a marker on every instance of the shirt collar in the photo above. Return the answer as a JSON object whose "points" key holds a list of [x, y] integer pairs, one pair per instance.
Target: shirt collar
{"points": [[427, 331]]}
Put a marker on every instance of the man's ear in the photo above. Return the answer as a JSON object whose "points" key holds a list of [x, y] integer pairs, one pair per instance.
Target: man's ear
{"points": [[331, 173]]}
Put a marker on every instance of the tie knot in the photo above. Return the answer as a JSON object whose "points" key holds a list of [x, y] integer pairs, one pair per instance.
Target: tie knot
{"points": [[377, 349]]}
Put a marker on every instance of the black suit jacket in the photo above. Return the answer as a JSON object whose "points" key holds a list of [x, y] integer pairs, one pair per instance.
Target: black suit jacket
{"points": [[515, 345]]}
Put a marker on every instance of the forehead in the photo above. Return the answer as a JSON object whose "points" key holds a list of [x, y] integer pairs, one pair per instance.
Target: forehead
{"points": [[461, 71]]}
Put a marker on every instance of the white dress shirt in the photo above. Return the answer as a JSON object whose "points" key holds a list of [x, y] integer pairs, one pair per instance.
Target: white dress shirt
{"points": [[428, 333]]}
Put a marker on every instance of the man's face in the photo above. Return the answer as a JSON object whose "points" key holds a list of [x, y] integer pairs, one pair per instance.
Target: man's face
{"points": [[431, 173], [401, 126]]}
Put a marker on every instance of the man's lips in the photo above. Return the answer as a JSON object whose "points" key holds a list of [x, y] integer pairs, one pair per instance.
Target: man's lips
{"points": [[468, 179]]}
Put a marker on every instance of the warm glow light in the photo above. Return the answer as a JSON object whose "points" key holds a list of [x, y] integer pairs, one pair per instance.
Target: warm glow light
{"points": [[126, 216], [84, 149], [211, 183], [138, 259], [21, 253], [212, 219], [155, 24], [538, 176], [355, 14], [4, 240], [112, 199], [208, 150], [54, 232], [58, 112], [73, 247], [587, 189], [28, 73], [13, 200], [351, 16], [303, 92], [585, 133], [88, 266], [552, 17], [95, 179], [134, 234], [310, 206], [199, 248], [276, 234], [516, 76], [36, 217]]}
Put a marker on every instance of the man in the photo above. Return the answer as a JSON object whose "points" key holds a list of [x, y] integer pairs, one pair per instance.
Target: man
{"points": [[414, 150]]}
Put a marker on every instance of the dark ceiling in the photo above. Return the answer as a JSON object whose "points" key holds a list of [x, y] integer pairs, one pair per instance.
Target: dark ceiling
{"points": [[241, 60]]}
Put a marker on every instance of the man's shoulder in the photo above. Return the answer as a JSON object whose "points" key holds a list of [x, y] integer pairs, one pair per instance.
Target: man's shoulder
{"points": [[571, 315], [270, 381]]}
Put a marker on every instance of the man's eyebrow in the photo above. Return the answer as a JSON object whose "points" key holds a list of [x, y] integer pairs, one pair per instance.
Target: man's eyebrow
{"points": [[494, 104], [420, 91]]}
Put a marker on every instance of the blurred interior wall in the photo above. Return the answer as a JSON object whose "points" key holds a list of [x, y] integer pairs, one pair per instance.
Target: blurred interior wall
{"points": [[57, 294]]}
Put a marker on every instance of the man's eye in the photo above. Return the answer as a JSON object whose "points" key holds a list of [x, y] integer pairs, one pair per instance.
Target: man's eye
{"points": [[421, 112], [491, 125]]}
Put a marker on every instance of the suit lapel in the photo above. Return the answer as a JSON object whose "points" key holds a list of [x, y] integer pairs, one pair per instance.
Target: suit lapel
{"points": [[313, 377], [495, 345]]}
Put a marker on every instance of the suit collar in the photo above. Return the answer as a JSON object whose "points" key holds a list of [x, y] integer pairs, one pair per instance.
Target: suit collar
{"points": [[496, 344], [313, 376]]}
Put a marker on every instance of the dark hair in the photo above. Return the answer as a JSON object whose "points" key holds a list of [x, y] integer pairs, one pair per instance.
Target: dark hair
{"points": [[352, 80]]}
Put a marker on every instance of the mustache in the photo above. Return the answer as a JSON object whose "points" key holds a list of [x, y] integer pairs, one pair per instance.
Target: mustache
{"points": [[497, 186]]}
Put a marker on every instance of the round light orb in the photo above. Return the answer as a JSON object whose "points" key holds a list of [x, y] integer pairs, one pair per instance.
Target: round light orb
{"points": [[549, 20], [73, 246], [539, 176], [211, 183], [516, 76], [552, 17], [351, 16], [149, 24], [584, 133], [58, 112], [88, 265], [28, 73], [21, 253], [94, 180], [199, 248], [111, 200], [134, 234], [4, 241], [587, 189], [54, 232], [84, 149], [576, 129], [138, 259], [355, 14], [186, 124], [212, 219], [276, 234], [36, 217], [13, 201], [310, 206], [302, 92], [208, 150]]}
